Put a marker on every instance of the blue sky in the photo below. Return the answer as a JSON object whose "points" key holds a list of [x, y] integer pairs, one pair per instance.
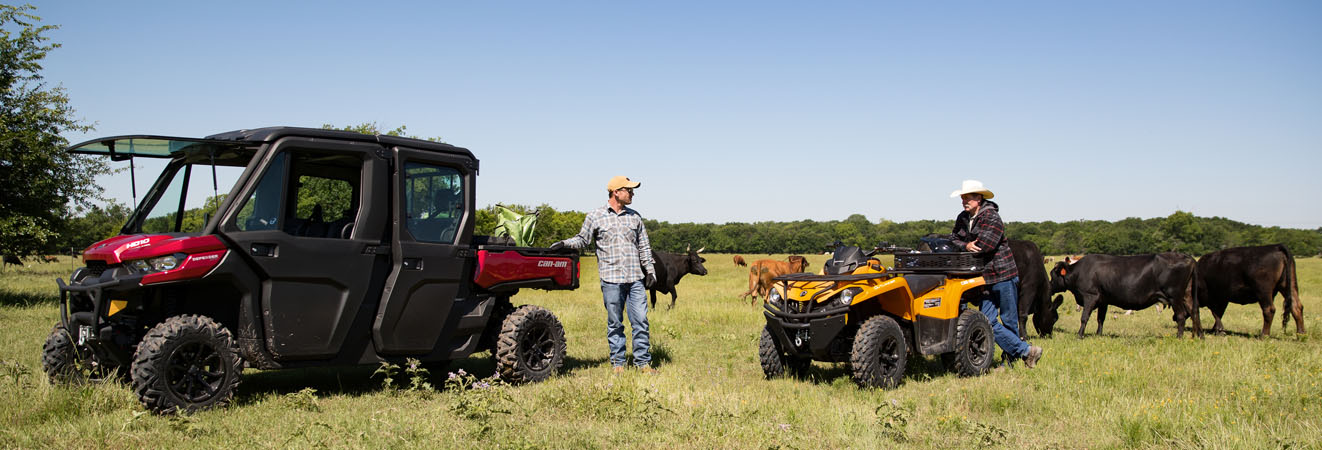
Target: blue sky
{"points": [[744, 112]]}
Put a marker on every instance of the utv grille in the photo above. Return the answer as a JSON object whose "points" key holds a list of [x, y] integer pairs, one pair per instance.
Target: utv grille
{"points": [[96, 268]]}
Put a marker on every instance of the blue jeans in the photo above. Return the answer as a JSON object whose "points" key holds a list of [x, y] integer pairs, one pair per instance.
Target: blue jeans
{"points": [[1002, 301], [618, 298]]}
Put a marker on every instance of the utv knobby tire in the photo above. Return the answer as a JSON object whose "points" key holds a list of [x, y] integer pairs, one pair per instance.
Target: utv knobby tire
{"points": [[531, 346], [974, 345], [64, 361], [774, 361], [186, 363], [879, 354]]}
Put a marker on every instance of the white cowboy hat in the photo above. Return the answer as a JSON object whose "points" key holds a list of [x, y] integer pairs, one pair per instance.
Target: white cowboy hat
{"points": [[972, 187]]}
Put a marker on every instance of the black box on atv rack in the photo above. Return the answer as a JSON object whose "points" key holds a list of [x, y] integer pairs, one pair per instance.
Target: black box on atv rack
{"points": [[938, 262]]}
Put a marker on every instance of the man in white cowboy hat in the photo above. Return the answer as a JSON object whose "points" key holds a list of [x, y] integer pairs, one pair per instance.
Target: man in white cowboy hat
{"points": [[624, 260], [979, 229]]}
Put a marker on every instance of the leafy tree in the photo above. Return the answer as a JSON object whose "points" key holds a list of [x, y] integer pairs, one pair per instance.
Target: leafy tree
{"points": [[37, 178], [90, 225]]}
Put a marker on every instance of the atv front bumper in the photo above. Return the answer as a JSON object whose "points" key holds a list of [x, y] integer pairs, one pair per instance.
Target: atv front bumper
{"points": [[806, 334]]}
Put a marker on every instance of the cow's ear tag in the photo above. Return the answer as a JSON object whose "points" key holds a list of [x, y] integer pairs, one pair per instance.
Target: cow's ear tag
{"points": [[1062, 271]]}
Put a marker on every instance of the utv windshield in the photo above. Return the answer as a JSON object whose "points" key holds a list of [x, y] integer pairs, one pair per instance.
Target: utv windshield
{"points": [[186, 196]]}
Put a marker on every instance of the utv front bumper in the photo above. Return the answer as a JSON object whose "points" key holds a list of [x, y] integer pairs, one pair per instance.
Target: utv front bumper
{"points": [[807, 334]]}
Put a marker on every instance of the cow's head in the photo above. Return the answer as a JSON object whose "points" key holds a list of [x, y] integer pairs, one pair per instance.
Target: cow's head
{"points": [[695, 261], [1060, 276], [798, 263]]}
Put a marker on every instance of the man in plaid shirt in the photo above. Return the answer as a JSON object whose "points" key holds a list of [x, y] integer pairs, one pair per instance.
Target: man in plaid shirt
{"points": [[624, 260], [979, 229]]}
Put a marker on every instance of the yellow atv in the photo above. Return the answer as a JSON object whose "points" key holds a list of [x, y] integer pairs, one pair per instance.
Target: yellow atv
{"points": [[874, 317]]}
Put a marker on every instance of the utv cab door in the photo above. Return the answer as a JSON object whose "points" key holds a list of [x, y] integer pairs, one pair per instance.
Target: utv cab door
{"points": [[433, 222], [305, 227]]}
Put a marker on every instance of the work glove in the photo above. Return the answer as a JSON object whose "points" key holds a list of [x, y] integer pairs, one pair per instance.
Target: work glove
{"points": [[649, 280], [558, 245]]}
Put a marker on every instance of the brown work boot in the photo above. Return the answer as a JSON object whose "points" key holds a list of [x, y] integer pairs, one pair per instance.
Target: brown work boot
{"points": [[647, 370], [618, 370], [1034, 354]]}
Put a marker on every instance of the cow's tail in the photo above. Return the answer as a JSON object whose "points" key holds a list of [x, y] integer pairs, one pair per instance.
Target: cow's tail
{"points": [[1193, 298], [1291, 291]]}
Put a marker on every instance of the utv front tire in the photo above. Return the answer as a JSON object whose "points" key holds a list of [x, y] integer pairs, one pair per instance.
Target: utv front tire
{"points": [[186, 363], [879, 354], [774, 361], [64, 361], [531, 346], [974, 345]]}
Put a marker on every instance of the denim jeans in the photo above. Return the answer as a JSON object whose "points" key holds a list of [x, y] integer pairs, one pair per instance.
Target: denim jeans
{"points": [[618, 298], [1002, 301]]}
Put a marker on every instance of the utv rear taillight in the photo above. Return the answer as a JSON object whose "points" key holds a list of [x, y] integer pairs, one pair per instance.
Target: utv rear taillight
{"points": [[191, 266]]}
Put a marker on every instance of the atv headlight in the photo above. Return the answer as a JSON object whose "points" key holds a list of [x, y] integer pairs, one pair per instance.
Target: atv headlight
{"points": [[774, 299], [847, 296]]}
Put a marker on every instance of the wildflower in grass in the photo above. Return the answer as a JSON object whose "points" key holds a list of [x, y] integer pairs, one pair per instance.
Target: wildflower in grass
{"points": [[453, 375]]}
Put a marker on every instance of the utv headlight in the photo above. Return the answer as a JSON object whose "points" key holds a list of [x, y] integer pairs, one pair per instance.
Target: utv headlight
{"points": [[157, 264], [847, 296], [774, 299]]}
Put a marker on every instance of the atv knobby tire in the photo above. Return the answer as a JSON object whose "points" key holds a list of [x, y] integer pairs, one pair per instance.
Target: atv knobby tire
{"points": [[974, 345], [879, 354], [531, 345], [185, 364], [774, 361], [64, 361]]}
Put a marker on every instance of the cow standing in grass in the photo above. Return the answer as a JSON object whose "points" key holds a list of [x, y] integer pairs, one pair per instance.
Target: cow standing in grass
{"points": [[763, 270], [1244, 275], [670, 267], [1131, 282], [11, 259]]}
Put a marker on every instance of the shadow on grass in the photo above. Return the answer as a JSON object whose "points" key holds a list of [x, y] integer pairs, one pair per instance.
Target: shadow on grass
{"points": [[11, 298]]}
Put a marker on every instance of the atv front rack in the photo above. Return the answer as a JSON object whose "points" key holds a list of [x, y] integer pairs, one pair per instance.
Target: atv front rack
{"points": [[844, 277]]}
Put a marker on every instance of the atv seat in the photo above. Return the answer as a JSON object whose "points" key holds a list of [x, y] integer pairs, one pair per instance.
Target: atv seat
{"points": [[922, 284]]}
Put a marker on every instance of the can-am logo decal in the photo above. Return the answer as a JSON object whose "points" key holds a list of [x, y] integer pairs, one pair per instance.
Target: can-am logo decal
{"points": [[138, 243], [552, 263]]}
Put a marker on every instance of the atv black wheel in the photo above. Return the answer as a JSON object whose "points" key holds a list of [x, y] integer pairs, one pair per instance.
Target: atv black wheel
{"points": [[775, 362], [65, 361], [186, 363], [531, 346], [879, 353], [974, 345]]}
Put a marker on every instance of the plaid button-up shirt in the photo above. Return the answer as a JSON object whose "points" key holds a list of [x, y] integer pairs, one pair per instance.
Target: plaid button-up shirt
{"points": [[989, 232], [623, 250]]}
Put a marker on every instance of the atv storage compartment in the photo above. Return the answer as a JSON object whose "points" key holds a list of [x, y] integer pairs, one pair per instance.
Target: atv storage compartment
{"points": [[504, 268]]}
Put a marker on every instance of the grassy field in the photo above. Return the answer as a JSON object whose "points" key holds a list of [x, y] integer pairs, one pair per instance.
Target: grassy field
{"points": [[1135, 387]]}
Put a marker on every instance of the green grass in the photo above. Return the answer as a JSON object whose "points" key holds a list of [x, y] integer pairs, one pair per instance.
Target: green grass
{"points": [[1135, 387]]}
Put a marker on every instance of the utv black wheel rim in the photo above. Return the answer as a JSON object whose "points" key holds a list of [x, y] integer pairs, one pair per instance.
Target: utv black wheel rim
{"points": [[195, 372], [538, 347], [979, 347], [889, 353]]}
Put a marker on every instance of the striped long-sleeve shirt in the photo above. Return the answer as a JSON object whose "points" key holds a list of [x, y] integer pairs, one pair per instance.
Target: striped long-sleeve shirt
{"points": [[988, 231], [624, 254]]}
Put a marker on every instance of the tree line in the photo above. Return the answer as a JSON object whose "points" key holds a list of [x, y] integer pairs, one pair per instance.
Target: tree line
{"points": [[1181, 232]]}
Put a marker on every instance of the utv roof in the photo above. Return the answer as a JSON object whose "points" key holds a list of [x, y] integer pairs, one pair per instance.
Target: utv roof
{"points": [[150, 146]]}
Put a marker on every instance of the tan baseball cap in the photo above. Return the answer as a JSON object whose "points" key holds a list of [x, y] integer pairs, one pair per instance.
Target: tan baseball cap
{"points": [[621, 182]]}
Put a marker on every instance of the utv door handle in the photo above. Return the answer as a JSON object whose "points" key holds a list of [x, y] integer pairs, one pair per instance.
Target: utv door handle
{"points": [[412, 263], [259, 249]]}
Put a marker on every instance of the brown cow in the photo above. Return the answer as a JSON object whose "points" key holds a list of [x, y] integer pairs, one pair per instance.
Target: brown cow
{"points": [[1246, 275], [739, 261], [50, 259], [763, 270]]}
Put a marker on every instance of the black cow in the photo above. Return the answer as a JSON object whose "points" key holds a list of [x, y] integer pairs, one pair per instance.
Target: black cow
{"points": [[1034, 291], [1131, 282], [1034, 296], [1244, 275], [670, 267], [11, 259]]}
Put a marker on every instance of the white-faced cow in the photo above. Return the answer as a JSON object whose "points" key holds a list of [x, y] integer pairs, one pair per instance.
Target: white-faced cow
{"points": [[1131, 282], [1245, 275], [670, 267]]}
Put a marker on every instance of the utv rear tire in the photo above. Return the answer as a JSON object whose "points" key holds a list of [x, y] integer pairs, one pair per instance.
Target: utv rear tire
{"points": [[775, 362], [186, 363], [531, 346], [64, 361], [974, 345], [879, 354]]}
